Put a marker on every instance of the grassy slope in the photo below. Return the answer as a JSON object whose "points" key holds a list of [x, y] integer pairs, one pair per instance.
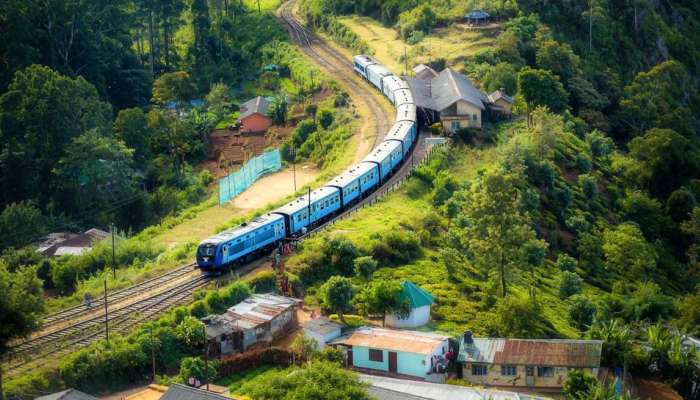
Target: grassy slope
{"points": [[452, 43]]}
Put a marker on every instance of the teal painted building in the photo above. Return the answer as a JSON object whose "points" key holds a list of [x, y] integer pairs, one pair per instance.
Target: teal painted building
{"points": [[393, 352]]}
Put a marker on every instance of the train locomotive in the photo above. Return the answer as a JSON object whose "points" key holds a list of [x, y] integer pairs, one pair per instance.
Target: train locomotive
{"points": [[249, 240]]}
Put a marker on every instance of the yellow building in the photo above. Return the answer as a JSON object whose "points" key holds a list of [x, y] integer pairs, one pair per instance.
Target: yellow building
{"points": [[448, 96], [540, 364]]}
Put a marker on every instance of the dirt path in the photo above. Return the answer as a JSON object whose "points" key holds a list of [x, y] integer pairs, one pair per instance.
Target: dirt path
{"points": [[267, 190]]}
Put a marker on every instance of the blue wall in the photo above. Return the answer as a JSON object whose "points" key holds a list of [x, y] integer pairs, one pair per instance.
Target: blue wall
{"points": [[406, 363]]}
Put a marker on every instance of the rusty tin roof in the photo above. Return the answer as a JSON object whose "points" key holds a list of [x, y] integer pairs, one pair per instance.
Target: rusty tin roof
{"points": [[547, 352]]}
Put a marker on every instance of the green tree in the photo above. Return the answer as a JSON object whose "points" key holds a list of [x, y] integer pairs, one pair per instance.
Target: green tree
{"points": [[320, 380], [21, 305], [337, 294], [578, 384], [558, 58], [383, 297], [278, 110], [617, 341], [541, 88], [581, 312], [40, 113], [627, 252], [217, 100], [691, 228], [20, 223], [659, 98], [365, 267], [569, 284], [520, 317], [325, 118], [501, 76], [174, 87], [131, 127], [566, 263], [494, 222], [195, 367], [95, 170]]}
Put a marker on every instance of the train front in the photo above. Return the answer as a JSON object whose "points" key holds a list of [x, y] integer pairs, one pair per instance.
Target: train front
{"points": [[206, 255]]}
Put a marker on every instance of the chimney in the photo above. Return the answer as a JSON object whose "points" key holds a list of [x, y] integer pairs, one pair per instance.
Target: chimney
{"points": [[468, 339]]}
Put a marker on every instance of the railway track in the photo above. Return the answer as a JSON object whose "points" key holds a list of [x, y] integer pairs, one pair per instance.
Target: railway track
{"points": [[121, 318], [335, 64]]}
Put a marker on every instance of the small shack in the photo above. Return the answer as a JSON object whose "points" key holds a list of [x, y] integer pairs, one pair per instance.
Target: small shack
{"points": [[68, 394], [260, 319], [66, 243], [501, 104], [477, 17], [253, 117], [322, 330], [419, 300], [177, 391], [397, 353]]}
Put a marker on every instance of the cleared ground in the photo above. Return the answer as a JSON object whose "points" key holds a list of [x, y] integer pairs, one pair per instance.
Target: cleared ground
{"points": [[452, 43]]}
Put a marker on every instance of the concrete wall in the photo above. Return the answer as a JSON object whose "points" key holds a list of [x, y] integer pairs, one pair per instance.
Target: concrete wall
{"points": [[463, 113], [412, 364], [506, 105], [256, 123], [494, 377], [320, 339], [418, 316]]}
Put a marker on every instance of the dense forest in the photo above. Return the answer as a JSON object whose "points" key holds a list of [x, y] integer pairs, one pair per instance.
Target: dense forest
{"points": [[106, 106]]}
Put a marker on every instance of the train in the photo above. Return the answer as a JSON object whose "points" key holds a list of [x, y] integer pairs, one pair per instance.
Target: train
{"points": [[251, 239]]}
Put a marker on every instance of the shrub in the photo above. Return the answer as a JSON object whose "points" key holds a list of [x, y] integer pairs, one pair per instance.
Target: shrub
{"points": [[581, 312], [195, 367], [583, 163], [396, 247], [566, 263], [325, 118], [365, 267], [415, 37], [570, 284], [263, 282], [589, 186]]}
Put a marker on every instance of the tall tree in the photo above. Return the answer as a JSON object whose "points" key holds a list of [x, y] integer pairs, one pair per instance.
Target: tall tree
{"points": [[494, 223], [21, 305], [41, 112], [383, 297], [541, 88], [131, 127]]}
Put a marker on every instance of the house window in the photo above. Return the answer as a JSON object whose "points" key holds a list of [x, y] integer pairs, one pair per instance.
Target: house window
{"points": [[455, 125], [474, 117], [376, 355], [479, 370], [545, 372], [508, 370]]}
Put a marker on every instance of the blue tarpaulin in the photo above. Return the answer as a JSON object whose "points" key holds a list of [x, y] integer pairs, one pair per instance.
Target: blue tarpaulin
{"points": [[236, 182]]}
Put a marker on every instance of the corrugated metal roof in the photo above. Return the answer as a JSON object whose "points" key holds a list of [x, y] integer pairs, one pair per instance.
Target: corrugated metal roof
{"points": [[442, 91], [182, 392], [257, 105], [251, 312], [499, 94], [69, 394], [553, 352], [321, 325], [389, 339]]}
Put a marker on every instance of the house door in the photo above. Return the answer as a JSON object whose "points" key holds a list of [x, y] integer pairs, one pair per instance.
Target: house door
{"points": [[350, 364], [392, 361], [530, 375]]}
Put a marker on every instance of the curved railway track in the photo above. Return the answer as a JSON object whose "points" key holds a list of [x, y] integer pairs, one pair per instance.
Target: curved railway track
{"points": [[337, 65], [88, 324]]}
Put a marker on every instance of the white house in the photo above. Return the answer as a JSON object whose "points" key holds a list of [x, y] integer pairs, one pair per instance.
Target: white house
{"points": [[322, 330], [419, 300]]}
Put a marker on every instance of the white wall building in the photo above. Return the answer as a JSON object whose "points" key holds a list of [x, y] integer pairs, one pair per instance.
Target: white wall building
{"points": [[420, 302]]}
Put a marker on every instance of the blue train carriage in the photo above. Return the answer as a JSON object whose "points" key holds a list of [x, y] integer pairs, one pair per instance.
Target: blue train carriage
{"points": [[403, 96], [391, 84], [407, 113], [354, 182], [387, 156], [360, 64], [402, 132], [241, 243], [376, 73], [324, 202]]}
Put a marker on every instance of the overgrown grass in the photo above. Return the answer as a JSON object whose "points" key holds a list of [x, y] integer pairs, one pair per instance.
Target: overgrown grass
{"points": [[453, 43]]}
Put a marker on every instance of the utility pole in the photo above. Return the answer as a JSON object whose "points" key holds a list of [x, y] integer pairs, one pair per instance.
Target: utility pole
{"points": [[259, 12], [153, 356], [405, 62], [294, 167], [206, 357], [106, 319], [114, 265]]}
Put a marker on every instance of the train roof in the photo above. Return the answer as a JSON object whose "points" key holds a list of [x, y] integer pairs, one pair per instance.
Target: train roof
{"points": [[403, 96], [303, 201], [393, 82], [378, 154], [364, 60], [241, 229], [406, 112], [380, 70], [350, 174], [399, 131]]}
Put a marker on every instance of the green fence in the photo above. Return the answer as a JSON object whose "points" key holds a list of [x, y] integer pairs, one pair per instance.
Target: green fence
{"points": [[237, 182]]}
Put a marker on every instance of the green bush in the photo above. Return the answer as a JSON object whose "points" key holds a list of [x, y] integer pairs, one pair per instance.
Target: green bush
{"points": [[263, 282], [396, 247], [325, 118], [569, 284]]}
